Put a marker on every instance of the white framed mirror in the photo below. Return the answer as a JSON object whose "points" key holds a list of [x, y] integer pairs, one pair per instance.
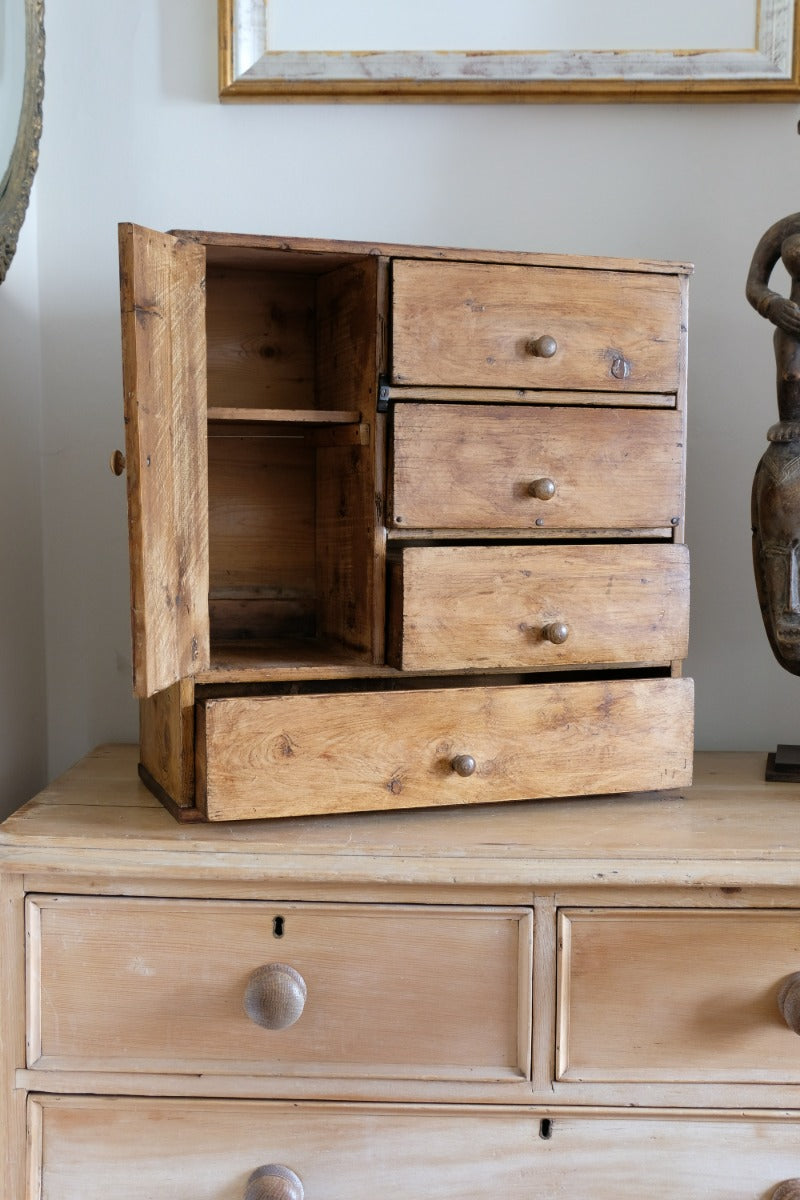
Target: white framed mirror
{"points": [[21, 91], [509, 49]]}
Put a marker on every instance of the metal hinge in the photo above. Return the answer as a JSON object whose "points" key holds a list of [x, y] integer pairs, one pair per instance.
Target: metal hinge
{"points": [[384, 394]]}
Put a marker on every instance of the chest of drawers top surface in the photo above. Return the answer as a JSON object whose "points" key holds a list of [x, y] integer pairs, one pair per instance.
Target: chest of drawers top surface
{"points": [[483, 998], [730, 828]]}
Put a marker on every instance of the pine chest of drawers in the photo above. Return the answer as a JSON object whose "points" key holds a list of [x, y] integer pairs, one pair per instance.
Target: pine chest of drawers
{"points": [[592, 998], [406, 525]]}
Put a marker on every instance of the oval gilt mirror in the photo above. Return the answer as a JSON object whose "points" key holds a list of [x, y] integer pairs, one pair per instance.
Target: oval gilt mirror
{"points": [[21, 91]]}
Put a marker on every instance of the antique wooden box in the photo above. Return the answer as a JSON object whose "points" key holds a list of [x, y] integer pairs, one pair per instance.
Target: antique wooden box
{"points": [[406, 524]]}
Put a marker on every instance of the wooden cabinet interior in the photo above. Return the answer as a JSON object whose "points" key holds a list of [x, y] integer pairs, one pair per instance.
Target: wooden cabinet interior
{"points": [[292, 359]]}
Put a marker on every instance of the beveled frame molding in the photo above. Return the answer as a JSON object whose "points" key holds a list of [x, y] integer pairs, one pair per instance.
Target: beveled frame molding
{"points": [[249, 70], [15, 185]]}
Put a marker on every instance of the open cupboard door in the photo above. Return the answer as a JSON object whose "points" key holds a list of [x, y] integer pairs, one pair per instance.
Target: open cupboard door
{"points": [[164, 380]]}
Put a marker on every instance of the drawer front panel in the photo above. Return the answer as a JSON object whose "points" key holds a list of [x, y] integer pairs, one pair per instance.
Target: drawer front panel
{"points": [[136, 1149], [476, 325], [538, 606], [275, 756], [458, 466], [683, 996], [159, 985]]}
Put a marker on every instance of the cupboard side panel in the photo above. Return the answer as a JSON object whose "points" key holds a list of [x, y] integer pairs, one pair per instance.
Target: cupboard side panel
{"points": [[166, 743]]}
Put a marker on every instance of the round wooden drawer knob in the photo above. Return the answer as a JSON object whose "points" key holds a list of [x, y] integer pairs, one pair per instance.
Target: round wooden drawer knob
{"points": [[275, 996], [117, 462], [556, 632], [542, 347], [789, 1004], [274, 1182], [463, 764], [542, 489], [788, 1190]]}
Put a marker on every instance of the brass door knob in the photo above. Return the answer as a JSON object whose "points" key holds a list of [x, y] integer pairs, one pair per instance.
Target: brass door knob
{"points": [[542, 489], [542, 347], [789, 1001], [275, 996], [117, 462], [788, 1190], [556, 632], [274, 1182], [463, 764]]}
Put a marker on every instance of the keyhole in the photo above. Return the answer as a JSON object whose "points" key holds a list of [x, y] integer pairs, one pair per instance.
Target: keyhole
{"points": [[546, 1129], [277, 927]]}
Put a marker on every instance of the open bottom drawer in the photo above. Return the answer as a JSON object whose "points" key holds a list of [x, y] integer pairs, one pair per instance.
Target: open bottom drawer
{"points": [[289, 755]]}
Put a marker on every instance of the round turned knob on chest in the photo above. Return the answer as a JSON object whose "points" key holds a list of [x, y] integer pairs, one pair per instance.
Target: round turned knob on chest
{"points": [[789, 1004], [274, 1182], [788, 1190], [275, 996], [556, 632], [542, 347], [117, 462], [463, 764], [542, 489]]}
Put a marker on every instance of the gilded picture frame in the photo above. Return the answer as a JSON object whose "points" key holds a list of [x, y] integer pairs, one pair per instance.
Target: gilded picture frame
{"points": [[250, 68]]}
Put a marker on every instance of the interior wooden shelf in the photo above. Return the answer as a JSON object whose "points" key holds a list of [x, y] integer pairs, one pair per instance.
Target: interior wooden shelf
{"points": [[287, 659], [283, 416]]}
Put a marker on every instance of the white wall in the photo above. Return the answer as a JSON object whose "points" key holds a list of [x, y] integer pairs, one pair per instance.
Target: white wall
{"points": [[22, 652], [133, 131]]}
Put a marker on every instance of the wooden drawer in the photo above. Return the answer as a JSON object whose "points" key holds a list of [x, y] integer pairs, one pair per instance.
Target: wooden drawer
{"points": [[538, 606], [459, 466], [264, 756], [137, 1149], [477, 325], [689, 996], [159, 985]]}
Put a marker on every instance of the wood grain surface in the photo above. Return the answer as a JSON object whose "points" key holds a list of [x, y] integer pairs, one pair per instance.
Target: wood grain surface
{"points": [[392, 992], [471, 467], [164, 373], [466, 324], [287, 755], [492, 606], [90, 1148]]}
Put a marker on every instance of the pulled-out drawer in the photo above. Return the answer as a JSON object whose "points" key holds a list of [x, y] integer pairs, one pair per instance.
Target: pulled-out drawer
{"points": [[481, 466], [284, 755], [484, 325], [136, 1149], [538, 606], [252, 988], [676, 995]]}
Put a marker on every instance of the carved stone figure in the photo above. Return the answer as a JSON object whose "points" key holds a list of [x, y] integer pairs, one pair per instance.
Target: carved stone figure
{"points": [[776, 487]]}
